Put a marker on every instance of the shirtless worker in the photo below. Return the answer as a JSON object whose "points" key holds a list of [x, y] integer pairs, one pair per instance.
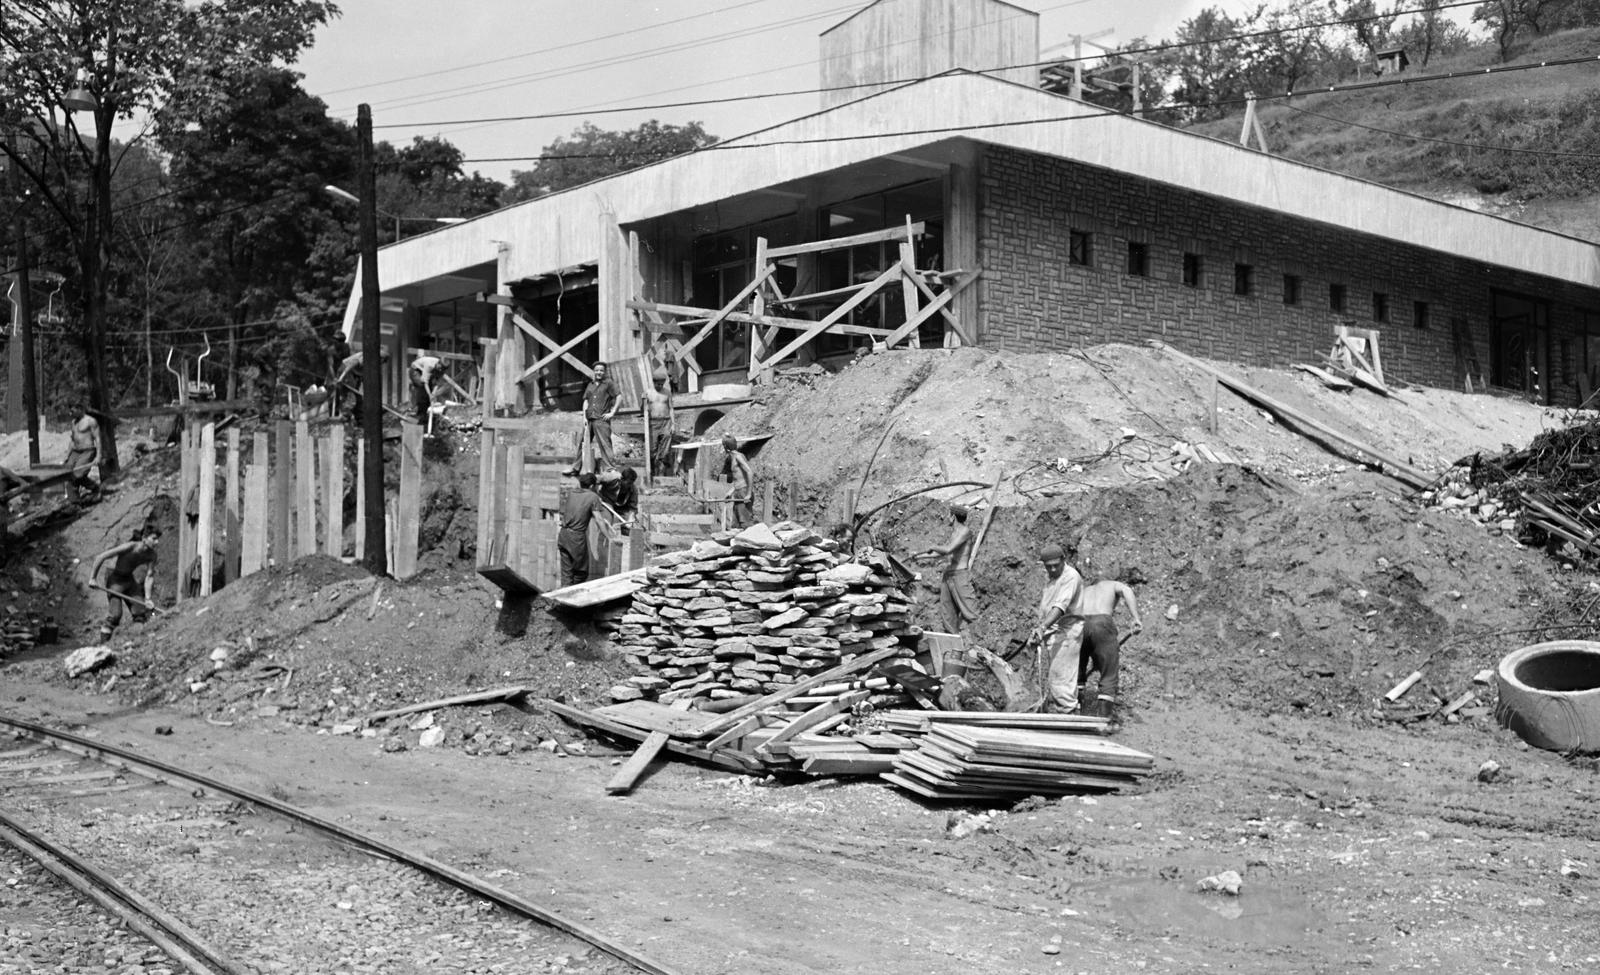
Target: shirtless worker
{"points": [[741, 491], [577, 511], [1059, 631], [955, 584], [125, 560], [83, 451], [658, 400], [1101, 647]]}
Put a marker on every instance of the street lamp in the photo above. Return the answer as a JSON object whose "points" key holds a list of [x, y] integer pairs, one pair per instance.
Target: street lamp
{"points": [[349, 197]]}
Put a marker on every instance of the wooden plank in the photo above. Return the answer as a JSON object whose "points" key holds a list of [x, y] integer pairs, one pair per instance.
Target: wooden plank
{"points": [[815, 717], [333, 517], [1328, 379], [988, 516], [908, 289], [1399, 690], [723, 312], [653, 716], [932, 308], [253, 550], [560, 352], [361, 499], [1394, 468], [865, 764], [851, 666], [510, 693], [509, 579], [768, 321], [232, 524], [408, 507], [751, 724], [206, 501], [836, 243], [629, 773], [597, 592], [305, 491], [514, 472], [186, 489], [533, 332], [731, 760]]}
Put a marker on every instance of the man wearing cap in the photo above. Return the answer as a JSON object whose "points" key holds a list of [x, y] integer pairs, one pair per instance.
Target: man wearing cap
{"points": [[955, 584], [1060, 628]]}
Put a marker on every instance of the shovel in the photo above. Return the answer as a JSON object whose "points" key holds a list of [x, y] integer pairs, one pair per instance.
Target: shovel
{"points": [[135, 603]]}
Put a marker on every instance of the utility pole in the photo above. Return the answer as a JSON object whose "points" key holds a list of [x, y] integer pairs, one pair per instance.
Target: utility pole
{"points": [[24, 309], [375, 549]]}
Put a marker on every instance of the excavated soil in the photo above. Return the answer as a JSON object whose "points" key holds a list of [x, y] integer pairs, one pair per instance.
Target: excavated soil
{"points": [[1282, 596]]}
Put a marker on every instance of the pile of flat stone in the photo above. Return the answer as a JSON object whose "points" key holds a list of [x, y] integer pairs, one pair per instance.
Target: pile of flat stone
{"points": [[751, 612]]}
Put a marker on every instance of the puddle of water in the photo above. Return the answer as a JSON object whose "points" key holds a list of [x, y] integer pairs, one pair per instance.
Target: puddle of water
{"points": [[1260, 915]]}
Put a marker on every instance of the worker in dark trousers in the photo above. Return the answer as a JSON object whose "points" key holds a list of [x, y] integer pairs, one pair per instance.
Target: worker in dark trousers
{"points": [[956, 600], [577, 511], [1101, 646], [741, 483], [126, 559]]}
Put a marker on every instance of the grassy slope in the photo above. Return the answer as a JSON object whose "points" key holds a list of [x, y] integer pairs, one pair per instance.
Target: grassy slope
{"points": [[1543, 108]]}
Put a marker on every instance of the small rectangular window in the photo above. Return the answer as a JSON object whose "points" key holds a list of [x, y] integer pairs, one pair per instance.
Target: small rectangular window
{"points": [[1380, 306], [1419, 314], [1138, 259], [1291, 289], [1080, 248], [1192, 269], [1336, 297], [1244, 279]]}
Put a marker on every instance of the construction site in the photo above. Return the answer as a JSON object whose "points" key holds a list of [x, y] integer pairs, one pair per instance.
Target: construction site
{"points": [[1083, 545]]}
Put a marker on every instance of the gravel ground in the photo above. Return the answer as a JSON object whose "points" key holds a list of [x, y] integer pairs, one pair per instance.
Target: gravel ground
{"points": [[278, 897]]}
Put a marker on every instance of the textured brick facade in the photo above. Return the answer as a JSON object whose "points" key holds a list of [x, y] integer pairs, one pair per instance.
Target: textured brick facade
{"points": [[1033, 298]]}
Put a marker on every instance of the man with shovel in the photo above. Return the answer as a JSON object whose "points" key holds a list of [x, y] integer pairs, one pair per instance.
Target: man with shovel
{"points": [[1059, 632], [120, 583]]}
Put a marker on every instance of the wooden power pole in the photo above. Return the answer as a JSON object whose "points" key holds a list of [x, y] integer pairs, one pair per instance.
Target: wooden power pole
{"points": [[375, 550], [24, 307]]}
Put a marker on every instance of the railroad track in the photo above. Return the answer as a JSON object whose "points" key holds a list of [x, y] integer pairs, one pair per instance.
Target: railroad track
{"points": [[196, 875]]}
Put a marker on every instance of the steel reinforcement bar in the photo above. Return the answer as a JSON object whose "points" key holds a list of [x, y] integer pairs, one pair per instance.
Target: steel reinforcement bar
{"points": [[156, 769]]}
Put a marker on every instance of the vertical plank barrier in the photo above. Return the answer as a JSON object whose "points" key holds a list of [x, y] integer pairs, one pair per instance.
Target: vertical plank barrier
{"points": [[305, 491], [361, 498], [514, 462], [497, 506], [232, 524], [281, 499], [408, 511], [333, 509], [186, 492], [206, 500], [486, 484], [253, 543], [388, 535]]}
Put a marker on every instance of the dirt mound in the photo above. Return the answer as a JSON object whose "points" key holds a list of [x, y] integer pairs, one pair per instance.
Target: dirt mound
{"points": [[1265, 595], [1112, 413]]}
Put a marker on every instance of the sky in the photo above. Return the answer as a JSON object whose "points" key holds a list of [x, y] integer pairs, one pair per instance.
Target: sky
{"points": [[425, 66]]}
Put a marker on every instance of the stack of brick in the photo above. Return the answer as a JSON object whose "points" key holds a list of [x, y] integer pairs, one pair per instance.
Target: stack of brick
{"points": [[750, 612]]}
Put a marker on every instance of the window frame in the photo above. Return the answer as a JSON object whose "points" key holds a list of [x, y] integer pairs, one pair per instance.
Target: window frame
{"points": [[1293, 290], [1338, 297], [1380, 307], [1244, 279], [1194, 270], [1138, 259], [1080, 247]]}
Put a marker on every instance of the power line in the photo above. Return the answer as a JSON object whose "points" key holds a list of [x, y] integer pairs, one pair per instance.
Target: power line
{"points": [[1153, 49], [545, 50], [981, 126]]}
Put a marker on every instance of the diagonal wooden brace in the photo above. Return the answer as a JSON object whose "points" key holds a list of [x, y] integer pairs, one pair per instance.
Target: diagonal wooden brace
{"points": [[563, 351], [929, 310], [893, 272], [725, 311]]}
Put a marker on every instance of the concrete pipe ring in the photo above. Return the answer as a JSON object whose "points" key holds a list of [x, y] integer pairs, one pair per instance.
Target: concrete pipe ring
{"points": [[1550, 695]]}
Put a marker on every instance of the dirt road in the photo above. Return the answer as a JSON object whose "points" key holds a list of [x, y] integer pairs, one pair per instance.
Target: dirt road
{"points": [[1375, 849]]}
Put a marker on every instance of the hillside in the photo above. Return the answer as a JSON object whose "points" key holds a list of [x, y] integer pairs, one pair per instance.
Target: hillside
{"points": [[1430, 138]]}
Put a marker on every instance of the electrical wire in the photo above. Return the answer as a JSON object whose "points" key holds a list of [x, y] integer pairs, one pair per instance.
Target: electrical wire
{"points": [[1130, 52]]}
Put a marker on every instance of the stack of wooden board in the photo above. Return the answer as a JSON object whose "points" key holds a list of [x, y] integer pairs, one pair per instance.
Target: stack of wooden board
{"points": [[973, 761]]}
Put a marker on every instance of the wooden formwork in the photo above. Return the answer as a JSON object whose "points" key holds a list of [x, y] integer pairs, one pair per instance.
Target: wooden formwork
{"points": [[285, 502]]}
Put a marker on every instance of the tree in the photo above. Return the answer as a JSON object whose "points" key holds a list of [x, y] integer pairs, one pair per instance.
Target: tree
{"points": [[1208, 71], [592, 153], [1506, 19], [131, 56]]}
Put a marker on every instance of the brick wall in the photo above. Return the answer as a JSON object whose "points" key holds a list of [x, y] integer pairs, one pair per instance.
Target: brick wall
{"points": [[1032, 298]]}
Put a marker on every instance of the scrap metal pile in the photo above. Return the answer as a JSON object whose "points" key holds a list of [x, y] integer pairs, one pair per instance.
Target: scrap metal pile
{"points": [[1548, 490]]}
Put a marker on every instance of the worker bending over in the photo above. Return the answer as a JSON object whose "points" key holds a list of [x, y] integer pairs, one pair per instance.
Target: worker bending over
{"points": [[126, 559], [1059, 632], [955, 583], [1101, 646]]}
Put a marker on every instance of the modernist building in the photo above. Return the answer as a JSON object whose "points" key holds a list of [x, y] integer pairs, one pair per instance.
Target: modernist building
{"points": [[1052, 222]]}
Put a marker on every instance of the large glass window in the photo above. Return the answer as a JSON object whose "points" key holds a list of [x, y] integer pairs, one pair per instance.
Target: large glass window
{"points": [[918, 203], [724, 264]]}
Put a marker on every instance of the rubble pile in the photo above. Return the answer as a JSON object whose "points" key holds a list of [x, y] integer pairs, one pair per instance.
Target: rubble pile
{"points": [[751, 612], [1547, 492]]}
